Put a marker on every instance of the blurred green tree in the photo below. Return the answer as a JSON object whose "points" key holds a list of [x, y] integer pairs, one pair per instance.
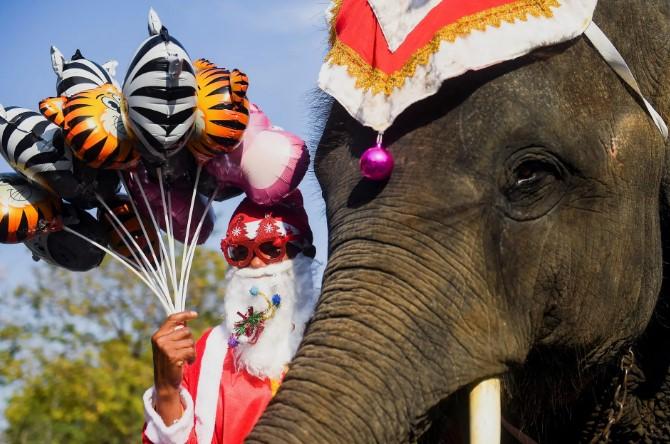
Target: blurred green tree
{"points": [[76, 350]]}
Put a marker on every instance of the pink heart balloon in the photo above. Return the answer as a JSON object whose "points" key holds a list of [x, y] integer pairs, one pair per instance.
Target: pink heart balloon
{"points": [[269, 164]]}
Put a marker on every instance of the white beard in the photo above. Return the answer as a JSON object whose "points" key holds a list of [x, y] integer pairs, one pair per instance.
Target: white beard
{"points": [[279, 340]]}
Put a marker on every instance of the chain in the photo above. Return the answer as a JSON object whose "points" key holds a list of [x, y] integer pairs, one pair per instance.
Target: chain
{"points": [[619, 400]]}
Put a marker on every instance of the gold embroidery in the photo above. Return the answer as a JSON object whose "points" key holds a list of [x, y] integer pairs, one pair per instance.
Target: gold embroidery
{"points": [[274, 386], [370, 78]]}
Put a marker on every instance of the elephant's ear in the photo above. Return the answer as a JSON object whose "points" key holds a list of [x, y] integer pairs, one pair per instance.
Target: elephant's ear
{"points": [[640, 29]]}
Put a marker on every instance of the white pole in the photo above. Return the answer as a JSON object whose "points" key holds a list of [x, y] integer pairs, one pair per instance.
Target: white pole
{"points": [[144, 230], [191, 251], [149, 270], [170, 239], [163, 250], [187, 241]]}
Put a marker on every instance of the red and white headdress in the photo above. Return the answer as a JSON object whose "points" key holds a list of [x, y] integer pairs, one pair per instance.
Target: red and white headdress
{"points": [[388, 54], [254, 222]]}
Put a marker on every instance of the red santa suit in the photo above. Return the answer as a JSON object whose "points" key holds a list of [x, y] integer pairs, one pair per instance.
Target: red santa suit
{"points": [[221, 404], [223, 399]]}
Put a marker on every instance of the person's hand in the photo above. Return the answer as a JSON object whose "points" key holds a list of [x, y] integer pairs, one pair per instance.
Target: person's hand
{"points": [[173, 346]]}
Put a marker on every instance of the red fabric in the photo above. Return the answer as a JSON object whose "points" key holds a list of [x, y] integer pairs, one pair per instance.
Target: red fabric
{"points": [[357, 27], [242, 399], [290, 210]]}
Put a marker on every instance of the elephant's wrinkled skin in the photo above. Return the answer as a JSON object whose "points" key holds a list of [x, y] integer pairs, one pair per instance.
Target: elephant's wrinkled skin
{"points": [[520, 235]]}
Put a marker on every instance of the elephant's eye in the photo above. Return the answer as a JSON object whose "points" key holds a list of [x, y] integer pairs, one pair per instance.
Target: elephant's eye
{"points": [[532, 172], [533, 186]]}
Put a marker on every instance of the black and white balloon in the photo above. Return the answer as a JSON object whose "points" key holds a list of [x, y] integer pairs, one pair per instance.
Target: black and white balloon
{"points": [[35, 148], [79, 73], [160, 91]]}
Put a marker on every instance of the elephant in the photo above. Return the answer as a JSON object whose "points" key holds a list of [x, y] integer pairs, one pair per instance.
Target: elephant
{"points": [[524, 234]]}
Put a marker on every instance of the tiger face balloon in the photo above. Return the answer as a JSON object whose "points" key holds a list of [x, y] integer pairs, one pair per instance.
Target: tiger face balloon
{"points": [[223, 110], [26, 210], [95, 130]]}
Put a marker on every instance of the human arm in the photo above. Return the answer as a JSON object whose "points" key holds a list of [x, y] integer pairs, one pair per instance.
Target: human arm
{"points": [[173, 346], [168, 406]]}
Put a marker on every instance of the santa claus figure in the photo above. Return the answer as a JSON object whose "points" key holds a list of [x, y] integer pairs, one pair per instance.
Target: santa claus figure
{"points": [[215, 390]]}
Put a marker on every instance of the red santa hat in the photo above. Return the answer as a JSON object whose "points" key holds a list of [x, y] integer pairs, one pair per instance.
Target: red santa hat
{"points": [[251, 221]]}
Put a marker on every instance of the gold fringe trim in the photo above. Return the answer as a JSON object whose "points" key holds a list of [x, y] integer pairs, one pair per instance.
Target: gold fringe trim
{"points": [[377, 81]]}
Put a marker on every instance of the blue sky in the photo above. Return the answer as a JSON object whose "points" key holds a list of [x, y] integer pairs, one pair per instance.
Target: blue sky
{"points": [[279, 44]]}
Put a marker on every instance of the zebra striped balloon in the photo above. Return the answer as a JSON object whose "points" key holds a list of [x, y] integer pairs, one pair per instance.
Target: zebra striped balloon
{"points": [[32, 145], [79, 74], [160, 91]]}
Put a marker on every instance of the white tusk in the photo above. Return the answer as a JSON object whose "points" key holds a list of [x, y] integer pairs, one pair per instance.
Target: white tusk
{"points": [[485, 412]]}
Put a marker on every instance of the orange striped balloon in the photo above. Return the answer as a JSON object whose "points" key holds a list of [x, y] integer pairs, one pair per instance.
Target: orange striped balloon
{"points": [[203, 64], [223, 110], [95, 130], [26, 210], [52, 109]]}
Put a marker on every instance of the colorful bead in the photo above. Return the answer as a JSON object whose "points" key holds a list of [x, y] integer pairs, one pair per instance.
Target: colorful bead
{"points": [[253, 291], [232, 341], [276, 300]]}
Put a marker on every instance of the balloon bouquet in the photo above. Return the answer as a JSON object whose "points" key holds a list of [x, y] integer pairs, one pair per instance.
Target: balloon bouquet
{"points": [[95, 137]]}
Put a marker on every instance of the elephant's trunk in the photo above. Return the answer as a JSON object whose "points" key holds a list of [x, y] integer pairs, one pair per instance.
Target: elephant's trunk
{"points": [[380, 355]]}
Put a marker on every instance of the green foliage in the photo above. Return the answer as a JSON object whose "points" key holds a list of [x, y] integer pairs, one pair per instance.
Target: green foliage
{"points": [[76, 348]]}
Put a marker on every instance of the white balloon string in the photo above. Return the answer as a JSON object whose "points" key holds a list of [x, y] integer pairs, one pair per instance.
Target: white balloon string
{"points": [[191, 252], [168, 310], [159, 288], [188, 232], [173, 250], [170, 246], [137, 260], [144, 230], [163, 249], [141, 258]]}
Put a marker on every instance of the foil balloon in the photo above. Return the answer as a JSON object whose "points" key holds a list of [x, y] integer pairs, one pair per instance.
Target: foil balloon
{"points": [[119, 241], [208, 186], [178, 206], [80, 74], [52, 109], [269, 165], [94, 127], [160, 90], [223, 110], [180, 168], [35, 148], [67, 250], [92, 183], [26, 210]]}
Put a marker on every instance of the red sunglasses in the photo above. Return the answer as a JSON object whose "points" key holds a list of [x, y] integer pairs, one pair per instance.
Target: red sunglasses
{"points": [[240, 254]]}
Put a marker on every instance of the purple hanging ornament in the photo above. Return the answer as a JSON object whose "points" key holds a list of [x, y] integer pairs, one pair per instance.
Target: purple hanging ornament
{"points": [[377, 162]]}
